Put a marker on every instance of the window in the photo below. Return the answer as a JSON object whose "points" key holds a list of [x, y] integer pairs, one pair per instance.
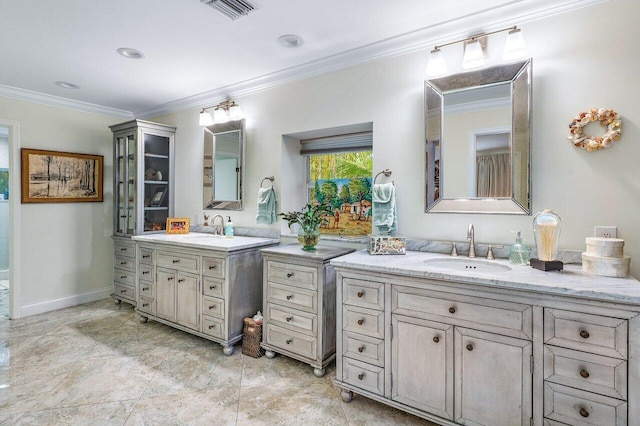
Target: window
{"points": [[339, 172]]}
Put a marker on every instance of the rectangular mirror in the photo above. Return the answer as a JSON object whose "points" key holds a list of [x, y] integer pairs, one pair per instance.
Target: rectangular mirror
{"points": [[223, 166], [478, 141]]}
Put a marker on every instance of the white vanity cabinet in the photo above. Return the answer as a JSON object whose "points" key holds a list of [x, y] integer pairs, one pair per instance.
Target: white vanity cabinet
{"points": [[521, 348], [300, 304], [200, 283]]}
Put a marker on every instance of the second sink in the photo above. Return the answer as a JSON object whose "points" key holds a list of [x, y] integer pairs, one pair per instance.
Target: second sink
{"points": [[466, 265]]}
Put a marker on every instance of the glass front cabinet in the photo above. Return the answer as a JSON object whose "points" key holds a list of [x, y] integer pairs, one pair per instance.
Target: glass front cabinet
{"points": [[142, 192]]}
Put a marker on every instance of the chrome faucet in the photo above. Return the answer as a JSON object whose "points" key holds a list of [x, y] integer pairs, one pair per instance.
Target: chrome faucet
{"points": [[218, 229], [471, 239]]}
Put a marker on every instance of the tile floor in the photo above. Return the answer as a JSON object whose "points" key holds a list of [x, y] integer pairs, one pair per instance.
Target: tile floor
{"points": [[96, 364]]}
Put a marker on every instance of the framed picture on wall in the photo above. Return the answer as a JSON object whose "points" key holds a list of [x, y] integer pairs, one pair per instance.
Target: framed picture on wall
{"points": [[60, 177], [158, 197], [178, 225]]}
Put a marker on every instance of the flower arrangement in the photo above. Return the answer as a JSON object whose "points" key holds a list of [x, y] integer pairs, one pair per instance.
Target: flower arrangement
{"points": [[309, 218], [607, 117]]}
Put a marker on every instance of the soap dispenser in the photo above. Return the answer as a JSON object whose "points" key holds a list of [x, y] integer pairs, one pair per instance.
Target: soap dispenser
{"points": [[518, 254], [228, 227]]}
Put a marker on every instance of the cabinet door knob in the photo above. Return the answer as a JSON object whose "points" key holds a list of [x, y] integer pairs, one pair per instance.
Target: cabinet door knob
{"points": [[169, 278], [289, 297], [180, 280], [360, 321], [436, 339], [145, 288], [211, 307], [289, 319], [584, 334], [176, 261], [360, 293], [452, 310], [144, 305], [360, 376], [584, 412], [469, 347], [211, 326], [211, 287], [288, 341], [584, 373], [212, 267], [361, 348], [290, 274]]}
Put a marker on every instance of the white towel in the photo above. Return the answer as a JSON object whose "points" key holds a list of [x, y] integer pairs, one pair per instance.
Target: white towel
{"points": [[266, 206], [384, 208]]}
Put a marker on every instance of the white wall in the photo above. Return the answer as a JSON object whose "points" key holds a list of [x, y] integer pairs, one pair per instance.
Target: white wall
{"points": [[581, 59], [66, 248]]}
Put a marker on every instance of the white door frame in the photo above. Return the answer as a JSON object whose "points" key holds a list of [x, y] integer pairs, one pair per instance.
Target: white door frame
{"points": [[14, 217]]}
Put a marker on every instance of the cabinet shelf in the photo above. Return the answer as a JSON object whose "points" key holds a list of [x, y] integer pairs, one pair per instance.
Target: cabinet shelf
{"points": [[156, 182], [147, 209], [149, 155]]}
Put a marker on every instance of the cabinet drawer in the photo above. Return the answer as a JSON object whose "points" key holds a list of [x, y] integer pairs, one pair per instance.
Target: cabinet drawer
{"points": [[124, 250], [363, 375], [503, 317], [125, 291], [213, 287], [577, 407], [147, 305], [123, 276], [146, 272], [291, 341], [593, 373], [292, 296], [363, 348], [295, 275], [363, 321], [147, 289], [125, 263], [292, 319], [366, 294], [145, 256], [213, 306], [213, 326], [178, 261], [213, 267], [585, 332]]}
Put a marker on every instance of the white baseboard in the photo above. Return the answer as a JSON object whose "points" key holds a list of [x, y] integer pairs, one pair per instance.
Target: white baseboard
{"points": [[65, 302]]}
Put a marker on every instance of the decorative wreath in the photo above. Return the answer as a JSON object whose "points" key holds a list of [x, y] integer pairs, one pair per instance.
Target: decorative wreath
{"points": [[607, 117]]}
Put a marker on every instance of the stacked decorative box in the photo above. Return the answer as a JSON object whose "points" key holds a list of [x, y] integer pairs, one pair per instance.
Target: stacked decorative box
{"points": [[604, 256]]}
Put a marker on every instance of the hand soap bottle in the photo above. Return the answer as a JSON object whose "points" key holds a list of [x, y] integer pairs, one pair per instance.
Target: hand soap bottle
{"points": [[228, 228], [518, 254]]}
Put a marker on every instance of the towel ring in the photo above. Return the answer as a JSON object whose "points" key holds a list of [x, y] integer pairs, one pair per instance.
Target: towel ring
{"points": [[386, 172], [271, 178]]}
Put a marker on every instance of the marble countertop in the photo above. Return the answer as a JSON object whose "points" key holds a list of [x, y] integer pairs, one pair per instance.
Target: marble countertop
{"points": [[571, 281], [198, 240], [321, 252]]}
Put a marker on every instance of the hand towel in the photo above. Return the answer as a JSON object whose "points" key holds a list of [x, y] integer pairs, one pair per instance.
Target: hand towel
{"points": [[266, 206], [384, 208]]}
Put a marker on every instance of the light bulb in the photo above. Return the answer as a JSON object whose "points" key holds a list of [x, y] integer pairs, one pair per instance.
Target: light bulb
{"points": [[473, 55], [514, 46], [436, 65]]}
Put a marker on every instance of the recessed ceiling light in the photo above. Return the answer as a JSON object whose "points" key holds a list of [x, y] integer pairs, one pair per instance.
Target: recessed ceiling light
{"points": [[67, 85], [130, 53], [290, 41]]}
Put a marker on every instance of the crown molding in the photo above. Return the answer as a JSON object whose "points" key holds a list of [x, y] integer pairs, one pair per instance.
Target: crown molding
{"points": [[57, 101]]}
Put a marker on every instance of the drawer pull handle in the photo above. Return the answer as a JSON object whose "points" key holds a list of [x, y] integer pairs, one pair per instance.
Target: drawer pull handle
{"points": [[469, 347], [123, 249], [169, 278], [123, 263], [289, 297], [146, 256], [360, 376], [123, 291], [288, 341], [123, 216], [584, 373], [584, 334], [211, 287], [176, 261], [211, 307], [290, 274], [360, 293], [289, 319], [584, 412], [180, 280], [145, 272], [361, 348], [145, 288], [360, 321], [122, 277], [144, 305], [211, 326], [436, 339], [452, 310], [212, 267]]}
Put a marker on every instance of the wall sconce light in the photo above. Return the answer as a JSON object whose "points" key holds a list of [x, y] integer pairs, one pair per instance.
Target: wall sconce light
{"points": [[225, 111], [475, 51]]}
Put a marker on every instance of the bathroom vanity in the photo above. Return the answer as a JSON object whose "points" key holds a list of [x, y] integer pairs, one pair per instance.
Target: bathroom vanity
{"points": [[466, 341], [200, 283]]}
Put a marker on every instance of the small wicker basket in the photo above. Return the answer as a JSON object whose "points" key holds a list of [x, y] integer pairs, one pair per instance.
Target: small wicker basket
{"points": [[251, 336]]}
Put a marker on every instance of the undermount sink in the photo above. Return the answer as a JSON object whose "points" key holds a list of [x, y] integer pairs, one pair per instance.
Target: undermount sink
{"points": [[466, 265]]}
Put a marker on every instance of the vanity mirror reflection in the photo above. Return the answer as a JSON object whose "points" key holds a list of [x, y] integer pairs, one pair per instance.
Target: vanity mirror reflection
{"points": [[478, 141], [223, 165]]}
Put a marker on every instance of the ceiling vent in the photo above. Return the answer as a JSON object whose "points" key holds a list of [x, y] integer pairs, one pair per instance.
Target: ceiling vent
{"points": [[232, 9]]}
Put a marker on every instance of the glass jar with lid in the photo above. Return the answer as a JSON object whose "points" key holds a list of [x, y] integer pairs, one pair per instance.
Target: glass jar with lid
{"points": [[546, 231]]}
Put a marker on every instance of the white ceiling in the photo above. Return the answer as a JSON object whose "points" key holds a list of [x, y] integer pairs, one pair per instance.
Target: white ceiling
{"points": [[195, 55]]}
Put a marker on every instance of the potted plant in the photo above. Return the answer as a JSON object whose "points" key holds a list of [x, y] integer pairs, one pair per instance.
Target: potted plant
{"points": [[309, 218]]}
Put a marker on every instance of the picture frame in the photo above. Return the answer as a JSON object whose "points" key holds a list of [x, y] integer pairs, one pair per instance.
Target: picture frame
{"points": [[61, 177], [178, 225], [158, 197]]}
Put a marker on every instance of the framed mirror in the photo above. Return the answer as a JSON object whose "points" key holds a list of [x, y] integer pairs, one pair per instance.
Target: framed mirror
{"points": [[223, 166], [478, 138]]}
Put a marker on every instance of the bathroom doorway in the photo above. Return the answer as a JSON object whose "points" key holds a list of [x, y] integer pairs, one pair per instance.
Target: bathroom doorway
{"points": [[5, 194]]}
